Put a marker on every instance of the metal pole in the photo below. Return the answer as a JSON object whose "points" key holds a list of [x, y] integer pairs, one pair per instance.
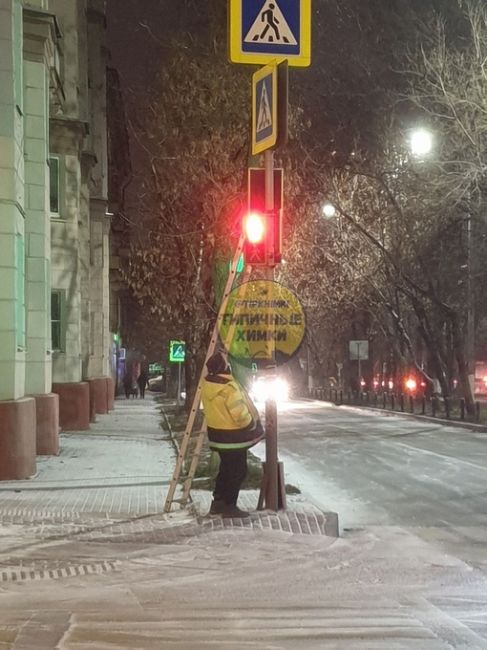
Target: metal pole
{"points": [[470, 310], [308, 367], [178, 398], [271, 467], [359, 369]]}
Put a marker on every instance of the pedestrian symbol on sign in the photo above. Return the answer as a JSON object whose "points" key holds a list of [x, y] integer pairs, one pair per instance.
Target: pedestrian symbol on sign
{"points": [[264, 119], [177, 351], [270, 26]]}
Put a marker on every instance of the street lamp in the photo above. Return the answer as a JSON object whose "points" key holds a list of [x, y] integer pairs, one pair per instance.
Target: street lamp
{"points": [[421, 142], [328, 210]]}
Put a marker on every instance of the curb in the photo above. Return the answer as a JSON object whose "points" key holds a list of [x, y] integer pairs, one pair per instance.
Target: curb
{"points": [[167, 424], [287, 521], [471, 426]]}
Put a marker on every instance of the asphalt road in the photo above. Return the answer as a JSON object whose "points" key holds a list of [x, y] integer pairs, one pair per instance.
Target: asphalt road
{"points": [[379, 470]]}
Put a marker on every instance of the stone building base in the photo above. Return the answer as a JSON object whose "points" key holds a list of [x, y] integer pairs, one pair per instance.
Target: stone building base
{"points": [[92, 385], [17, 439], [74, 405], [47, 416], [110, 393], [99, 395]]}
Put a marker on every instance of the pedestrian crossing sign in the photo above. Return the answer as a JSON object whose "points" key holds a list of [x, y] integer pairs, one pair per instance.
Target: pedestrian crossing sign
{"points": [[177, 351], [264, 108], [261, 30]]}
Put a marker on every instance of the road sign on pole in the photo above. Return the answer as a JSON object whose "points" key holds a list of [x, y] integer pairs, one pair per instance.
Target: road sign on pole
{"points": [[264, 108], [269, 107], [261, 30], [177, 351]]}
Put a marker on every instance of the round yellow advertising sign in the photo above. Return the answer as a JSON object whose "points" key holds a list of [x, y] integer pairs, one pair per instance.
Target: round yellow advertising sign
{"points": [[263, 322]]}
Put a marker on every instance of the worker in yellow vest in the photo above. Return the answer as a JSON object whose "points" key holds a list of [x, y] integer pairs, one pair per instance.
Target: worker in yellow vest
{"points": [[234, 426]]}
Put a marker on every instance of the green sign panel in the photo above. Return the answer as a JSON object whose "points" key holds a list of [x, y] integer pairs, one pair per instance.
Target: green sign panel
{"points": [[155, 369], [177, 351]]}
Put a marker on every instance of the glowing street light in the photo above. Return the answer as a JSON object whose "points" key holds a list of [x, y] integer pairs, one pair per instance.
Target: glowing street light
{"points": [[421, 142], [328, 210]]}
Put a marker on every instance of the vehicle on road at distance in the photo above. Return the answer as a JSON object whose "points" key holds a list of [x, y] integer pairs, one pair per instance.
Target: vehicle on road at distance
{"points": [[480, 384], [263, 388]]}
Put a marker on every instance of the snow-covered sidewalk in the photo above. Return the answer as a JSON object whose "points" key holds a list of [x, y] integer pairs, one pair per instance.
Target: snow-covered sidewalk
{"points": [[121, 466]]}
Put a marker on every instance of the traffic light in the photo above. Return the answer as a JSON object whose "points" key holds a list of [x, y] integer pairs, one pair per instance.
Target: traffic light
{"points": [[255, 226], [267, 251], [262, 232]]}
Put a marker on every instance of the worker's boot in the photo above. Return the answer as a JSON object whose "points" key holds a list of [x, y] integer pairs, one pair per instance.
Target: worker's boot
{"points": [[232, 511], [217, 507]]}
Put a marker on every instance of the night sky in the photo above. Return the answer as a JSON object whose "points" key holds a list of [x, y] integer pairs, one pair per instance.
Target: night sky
{"points": [[134, 52]]}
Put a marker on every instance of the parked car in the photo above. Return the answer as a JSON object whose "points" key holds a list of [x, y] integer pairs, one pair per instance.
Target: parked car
{"points": [[155, 384]]}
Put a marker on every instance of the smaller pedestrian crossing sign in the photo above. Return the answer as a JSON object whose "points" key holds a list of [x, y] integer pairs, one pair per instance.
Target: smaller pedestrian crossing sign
{"points": [[264, 29], [177, 351], [264, 108]]}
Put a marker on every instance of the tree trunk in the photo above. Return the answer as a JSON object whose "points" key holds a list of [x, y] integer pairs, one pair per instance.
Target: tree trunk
{"points": [[459, 347]]}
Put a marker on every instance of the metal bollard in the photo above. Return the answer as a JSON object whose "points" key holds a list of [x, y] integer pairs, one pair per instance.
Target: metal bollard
{"points": [[462, 408], [393, 401], [423, 405], [411, 404], [401, 402]]}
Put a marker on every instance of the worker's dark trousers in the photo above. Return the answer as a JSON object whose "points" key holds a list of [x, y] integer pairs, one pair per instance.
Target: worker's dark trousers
{"points": [[233, 470]]}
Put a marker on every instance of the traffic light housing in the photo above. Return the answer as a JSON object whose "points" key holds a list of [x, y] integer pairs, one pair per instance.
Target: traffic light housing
{"points": [[266, 251], [262, 231]]}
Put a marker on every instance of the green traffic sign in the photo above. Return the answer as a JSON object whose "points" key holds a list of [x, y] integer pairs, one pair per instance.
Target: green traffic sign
{"points": [[177, 351], [240, 264]]}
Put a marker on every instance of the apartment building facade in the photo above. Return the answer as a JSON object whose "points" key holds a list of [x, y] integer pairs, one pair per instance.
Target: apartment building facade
{"points": [[55, 341]]}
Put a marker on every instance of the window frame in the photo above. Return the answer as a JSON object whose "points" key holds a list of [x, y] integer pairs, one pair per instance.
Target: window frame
{"points": [[61, 293], [55, 214], [18, 63]]}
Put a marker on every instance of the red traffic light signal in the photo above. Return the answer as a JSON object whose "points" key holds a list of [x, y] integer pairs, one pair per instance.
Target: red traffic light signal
{"points": [[266, 252], [255, 226], [262, 231]]}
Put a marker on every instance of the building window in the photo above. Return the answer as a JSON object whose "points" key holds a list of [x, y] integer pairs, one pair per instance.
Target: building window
{"points": [[18, 56], [20, 291], [58, 320], [54, 185], [92, 332]]}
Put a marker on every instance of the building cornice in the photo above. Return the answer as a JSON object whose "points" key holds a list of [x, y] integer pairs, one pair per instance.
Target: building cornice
{"points": [[67, 135]]}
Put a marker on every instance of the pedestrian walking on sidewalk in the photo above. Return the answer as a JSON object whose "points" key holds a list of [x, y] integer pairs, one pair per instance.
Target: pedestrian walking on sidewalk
{"points": [[144, 375], [131, 376], [234, 426]]}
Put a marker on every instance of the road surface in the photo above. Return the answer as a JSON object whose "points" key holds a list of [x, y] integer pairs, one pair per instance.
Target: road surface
{"points": [[380, 470]]}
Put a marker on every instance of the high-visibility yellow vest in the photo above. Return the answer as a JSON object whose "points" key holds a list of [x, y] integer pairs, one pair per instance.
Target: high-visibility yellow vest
{"points": [[231, 417]]}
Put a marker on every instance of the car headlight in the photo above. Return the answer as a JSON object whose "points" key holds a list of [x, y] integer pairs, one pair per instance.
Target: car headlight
{"points": [[276, 389]]}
